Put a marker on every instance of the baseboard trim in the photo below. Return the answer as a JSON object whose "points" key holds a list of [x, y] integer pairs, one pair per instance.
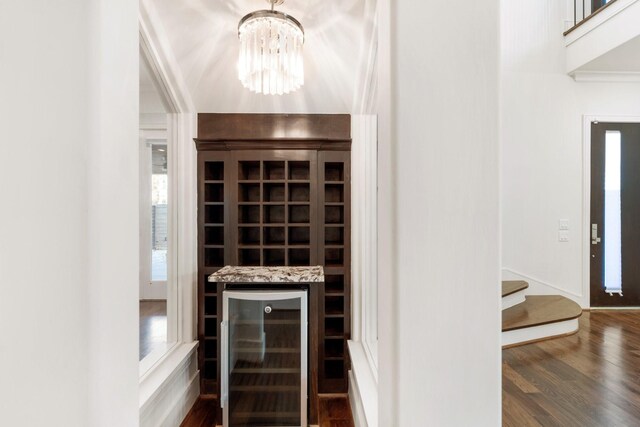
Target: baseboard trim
{"points": [[171, 389], [355, 400], [183, 403], [363, 388]]}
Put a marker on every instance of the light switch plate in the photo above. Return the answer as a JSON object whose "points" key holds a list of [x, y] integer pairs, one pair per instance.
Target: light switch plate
{"points": [[563, 224], [563, 236]]}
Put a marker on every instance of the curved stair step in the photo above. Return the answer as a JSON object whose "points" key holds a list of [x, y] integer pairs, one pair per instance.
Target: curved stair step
{"points": [[512, 286], [539, 317], [513, 292]]}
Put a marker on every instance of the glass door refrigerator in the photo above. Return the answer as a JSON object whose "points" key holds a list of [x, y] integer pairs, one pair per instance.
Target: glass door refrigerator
{"points": [[264, 358]]}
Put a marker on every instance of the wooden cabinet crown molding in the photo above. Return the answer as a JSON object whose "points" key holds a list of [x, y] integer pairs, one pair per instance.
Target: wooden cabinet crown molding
{"points": [[222, 132]]}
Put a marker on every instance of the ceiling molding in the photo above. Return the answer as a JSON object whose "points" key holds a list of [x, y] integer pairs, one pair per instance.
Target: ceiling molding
{"points": [[162, 63]]}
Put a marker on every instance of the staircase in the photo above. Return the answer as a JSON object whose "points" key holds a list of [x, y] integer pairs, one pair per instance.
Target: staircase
{"points": [[527, 319]]}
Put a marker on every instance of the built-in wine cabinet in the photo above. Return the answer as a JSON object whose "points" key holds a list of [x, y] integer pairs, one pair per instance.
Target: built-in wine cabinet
{"points": [[283, 201]]}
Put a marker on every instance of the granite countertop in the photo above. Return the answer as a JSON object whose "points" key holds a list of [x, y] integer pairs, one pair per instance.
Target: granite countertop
{"points": [[231, 274]]}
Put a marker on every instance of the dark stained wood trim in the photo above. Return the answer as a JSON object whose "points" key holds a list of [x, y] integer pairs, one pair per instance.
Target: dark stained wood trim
{"points": [[273, 144], [214, 126], [313, 357], [579, 24]]}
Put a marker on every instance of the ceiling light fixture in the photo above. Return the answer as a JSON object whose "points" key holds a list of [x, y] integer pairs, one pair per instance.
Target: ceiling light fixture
{"points": [[271, 51]]}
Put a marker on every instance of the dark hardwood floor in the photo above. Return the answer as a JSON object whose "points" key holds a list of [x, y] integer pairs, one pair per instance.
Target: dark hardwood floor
{"points": [[588, 379], [334, 411], [202, 414], [153, 326]]}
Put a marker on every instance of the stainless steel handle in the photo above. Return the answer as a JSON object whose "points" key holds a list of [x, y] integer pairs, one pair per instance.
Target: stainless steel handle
{"points": [[594, 234], [224, 368]]}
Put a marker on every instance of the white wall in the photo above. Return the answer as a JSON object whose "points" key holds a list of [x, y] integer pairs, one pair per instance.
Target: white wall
{"points": [[43, 221], [541, 126], [68, 217], [113, 215], [445, 360]]}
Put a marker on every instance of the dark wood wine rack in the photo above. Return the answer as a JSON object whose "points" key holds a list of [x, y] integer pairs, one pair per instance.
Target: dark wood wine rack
{"points": [[276, 201]]}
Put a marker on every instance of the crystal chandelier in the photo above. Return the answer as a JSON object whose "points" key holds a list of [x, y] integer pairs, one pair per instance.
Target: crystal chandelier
{"points": [[271, 51]]}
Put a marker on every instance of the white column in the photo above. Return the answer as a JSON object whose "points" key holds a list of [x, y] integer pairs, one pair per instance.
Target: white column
{"points": [[439, 306], [113, 257]]}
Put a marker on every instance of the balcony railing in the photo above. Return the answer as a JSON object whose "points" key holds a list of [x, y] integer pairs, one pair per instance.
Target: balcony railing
{"points": [[583, 10]]}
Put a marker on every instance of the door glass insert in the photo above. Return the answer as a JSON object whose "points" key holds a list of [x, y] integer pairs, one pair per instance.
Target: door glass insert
{"points": [[612, 214], [266, 349]]}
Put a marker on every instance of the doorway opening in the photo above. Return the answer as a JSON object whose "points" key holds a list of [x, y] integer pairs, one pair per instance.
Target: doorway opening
{"points": [[156, 245]]}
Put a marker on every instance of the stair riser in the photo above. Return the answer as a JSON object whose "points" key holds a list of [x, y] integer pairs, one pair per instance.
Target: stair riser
{"points": [[513, 299], [537, 333]]}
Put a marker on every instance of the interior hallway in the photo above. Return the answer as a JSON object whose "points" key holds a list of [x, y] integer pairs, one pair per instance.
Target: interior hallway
{"points": [[588, 379]]}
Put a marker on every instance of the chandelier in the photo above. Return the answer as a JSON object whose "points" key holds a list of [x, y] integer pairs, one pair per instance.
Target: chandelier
{"points": [[270, 59]]}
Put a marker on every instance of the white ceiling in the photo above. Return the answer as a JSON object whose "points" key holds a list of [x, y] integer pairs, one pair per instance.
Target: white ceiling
{"points": [[624, 58], [202, 35]]}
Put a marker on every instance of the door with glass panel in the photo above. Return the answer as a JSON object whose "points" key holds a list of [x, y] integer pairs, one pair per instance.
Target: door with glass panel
{"points": [[615, 214], [264, 358]]}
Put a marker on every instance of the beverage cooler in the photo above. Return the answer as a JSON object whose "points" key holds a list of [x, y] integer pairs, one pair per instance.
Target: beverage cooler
{"points": [[264, 358]]}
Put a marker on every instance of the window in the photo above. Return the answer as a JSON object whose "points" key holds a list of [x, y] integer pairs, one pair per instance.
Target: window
{"points": [[612, 214]]}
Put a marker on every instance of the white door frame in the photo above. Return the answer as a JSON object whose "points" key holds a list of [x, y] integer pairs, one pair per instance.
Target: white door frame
{"points": [[587, 119], [150, 289], [179, 127]]}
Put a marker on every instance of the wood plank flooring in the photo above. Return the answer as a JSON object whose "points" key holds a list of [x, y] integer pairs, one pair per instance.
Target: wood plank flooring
{"points": [[202, 414], [153, 326], [539, 310], [588, 379], [335, 411]]}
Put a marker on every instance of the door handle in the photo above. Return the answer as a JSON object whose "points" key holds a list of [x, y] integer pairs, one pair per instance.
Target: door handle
{"points": [[594, 234]]}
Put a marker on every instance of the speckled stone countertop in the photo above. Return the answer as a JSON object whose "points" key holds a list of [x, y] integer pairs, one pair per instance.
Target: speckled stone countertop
{"points": [[230, 274]]}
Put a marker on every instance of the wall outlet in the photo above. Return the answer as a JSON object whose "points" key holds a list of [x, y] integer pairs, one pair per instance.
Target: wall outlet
{"points": [[563, 224], [563, 237]]}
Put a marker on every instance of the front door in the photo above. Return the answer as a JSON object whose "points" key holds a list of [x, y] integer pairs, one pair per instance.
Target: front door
{"points": [[615, 214]]}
